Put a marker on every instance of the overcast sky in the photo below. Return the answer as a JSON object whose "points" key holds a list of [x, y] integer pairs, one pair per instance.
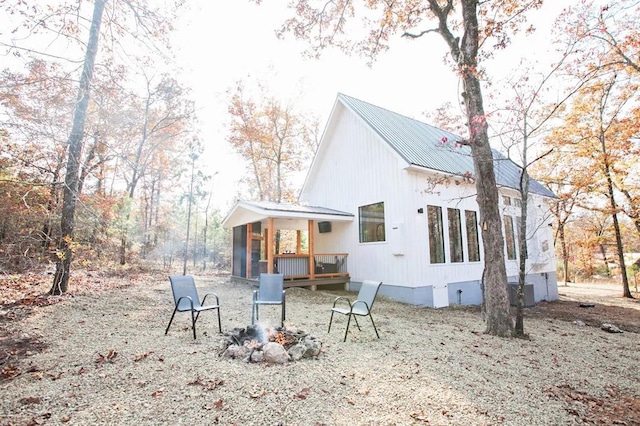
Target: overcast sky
{"points": [[219, 43]]}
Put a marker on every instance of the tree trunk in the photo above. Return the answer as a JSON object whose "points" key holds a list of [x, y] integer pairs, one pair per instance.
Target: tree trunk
{"points": [[523, 249], [64, 252], [626, 292], [565, 254], [605, 259], [499, 321], [614, 212]]}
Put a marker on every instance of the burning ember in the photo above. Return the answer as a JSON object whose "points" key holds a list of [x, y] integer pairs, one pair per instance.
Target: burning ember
{"points": [[257, 343]]}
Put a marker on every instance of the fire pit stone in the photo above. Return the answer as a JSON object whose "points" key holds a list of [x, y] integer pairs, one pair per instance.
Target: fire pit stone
{"points": [[257, 343]]}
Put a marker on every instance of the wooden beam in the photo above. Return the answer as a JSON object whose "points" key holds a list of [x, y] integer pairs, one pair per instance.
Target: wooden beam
{"points": [[312, 263]]}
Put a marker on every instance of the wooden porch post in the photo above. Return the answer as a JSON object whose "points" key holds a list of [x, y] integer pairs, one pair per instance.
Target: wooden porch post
{"points": [[269, 245], [298, 241], [312, 266], [249, 244]]}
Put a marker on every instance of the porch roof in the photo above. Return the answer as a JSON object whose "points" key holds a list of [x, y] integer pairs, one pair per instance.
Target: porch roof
{"points": [[286, 216]]}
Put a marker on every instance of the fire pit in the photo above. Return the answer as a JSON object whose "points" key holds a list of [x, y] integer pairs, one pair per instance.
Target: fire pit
{"points": [[258, 343]]}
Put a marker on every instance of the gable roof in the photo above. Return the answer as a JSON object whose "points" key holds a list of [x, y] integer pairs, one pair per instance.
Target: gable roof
{"points": [[423, 145], [287, 216]]}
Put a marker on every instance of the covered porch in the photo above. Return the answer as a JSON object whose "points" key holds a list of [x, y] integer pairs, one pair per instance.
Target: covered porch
{"points": [[279, 238]]}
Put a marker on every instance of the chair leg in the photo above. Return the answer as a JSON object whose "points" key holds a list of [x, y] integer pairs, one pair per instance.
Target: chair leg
{"points": [[347, 330], [219, 322], [282, 316], [330, 320], [374, 325], [355, 318], [171, 320], [254, 310], [193, 324]]}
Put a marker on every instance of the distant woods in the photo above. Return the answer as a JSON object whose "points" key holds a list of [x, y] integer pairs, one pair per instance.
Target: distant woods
{"points": [[114, 192]]}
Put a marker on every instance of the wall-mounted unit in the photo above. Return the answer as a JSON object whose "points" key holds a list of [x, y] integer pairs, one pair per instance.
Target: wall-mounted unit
{"points": [[324, 227]]}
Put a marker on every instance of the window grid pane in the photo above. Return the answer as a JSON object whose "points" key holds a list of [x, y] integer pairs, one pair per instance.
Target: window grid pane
{"points": [[509, 237], [473, 244], [436, 237], [372, 223], [455, 236]]}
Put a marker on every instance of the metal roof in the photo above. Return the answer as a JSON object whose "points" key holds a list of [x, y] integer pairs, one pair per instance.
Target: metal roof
{"points": [[287, 216], [423, 145]]}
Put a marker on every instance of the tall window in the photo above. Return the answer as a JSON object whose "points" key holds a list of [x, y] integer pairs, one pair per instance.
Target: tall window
{"points": [[473, 245], [509, 237], [371, 223], [455, 235], [436, 237], [516, 234]]}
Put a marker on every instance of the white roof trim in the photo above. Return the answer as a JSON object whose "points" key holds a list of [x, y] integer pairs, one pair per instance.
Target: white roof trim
{"points": [[297, 215]]}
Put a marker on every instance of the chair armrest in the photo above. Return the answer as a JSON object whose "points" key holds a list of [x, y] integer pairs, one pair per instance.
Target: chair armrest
{"points": [[184, 297], [353, 305], [211, 294], [340, 298]]}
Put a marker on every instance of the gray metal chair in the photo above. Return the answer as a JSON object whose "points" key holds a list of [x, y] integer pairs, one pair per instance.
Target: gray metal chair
{"points": [[361, 306], [185, 297], [270, 292]]}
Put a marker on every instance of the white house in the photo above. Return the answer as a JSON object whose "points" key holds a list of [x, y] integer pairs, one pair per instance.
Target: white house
{"points": [[396, 203]]}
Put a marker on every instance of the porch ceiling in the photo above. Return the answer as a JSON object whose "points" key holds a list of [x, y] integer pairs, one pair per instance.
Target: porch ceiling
{"points": [[286, 216]]}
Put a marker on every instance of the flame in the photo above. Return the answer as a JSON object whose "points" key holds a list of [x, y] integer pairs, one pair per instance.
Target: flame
{"points": [[280, 338]]}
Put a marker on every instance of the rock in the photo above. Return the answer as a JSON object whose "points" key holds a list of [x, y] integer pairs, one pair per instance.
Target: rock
{"points": [[235, 351], [257, 356], [610, 328], [312, 346], [275, 353], [296, 351], [579, 323]]}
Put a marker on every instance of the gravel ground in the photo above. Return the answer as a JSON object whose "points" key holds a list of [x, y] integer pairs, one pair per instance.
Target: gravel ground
{"points": [[106, 361]]}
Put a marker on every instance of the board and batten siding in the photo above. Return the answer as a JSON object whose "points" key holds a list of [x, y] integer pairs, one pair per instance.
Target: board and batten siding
{"points": [[362, 169], [356, 167]]}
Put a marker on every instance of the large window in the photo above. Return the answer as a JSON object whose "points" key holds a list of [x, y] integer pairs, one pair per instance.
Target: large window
{"points": [[509, 236], [436, 237], [473, 245], [371, 223], [455, 235]]}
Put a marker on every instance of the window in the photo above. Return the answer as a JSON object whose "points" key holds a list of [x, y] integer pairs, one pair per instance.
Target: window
{"points": [[436, 237], [509, 237], [371, 223], [473, 245], [517, 202], [455, 236], [506, 200]]}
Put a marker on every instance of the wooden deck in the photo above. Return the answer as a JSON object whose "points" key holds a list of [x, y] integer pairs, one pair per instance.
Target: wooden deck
{"points": [[328, 282]]}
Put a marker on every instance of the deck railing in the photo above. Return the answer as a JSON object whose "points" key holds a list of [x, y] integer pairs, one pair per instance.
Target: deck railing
{"points": [[297, 265]]}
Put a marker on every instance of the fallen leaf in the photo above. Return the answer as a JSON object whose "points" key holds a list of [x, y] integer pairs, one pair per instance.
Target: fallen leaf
{"points": [[258, 394], [30, 400], [140, 357], [109, 357]]}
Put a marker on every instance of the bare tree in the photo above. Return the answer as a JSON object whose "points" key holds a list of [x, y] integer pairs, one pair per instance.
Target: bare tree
{"points": [[72, 181]]}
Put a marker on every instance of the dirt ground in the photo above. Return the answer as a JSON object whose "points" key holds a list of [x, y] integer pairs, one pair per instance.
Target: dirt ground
{"points": [[582, 303], [18, 298], [608, 306]]}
